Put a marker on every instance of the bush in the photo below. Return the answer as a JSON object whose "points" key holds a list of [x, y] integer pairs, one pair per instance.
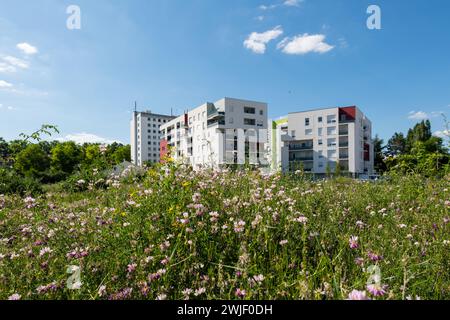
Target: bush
{"points": [[12, 182]]}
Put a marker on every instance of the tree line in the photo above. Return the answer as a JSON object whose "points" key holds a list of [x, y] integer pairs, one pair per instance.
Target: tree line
{"points": [[419, 151]]}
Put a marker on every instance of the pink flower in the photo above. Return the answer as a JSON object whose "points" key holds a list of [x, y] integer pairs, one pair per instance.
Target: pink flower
{"points": [[359, 261], [353, 242], [374, 257], [131, 267], [240, 293], [239, 226], [357, 295], [15, 296], [377, 290]]}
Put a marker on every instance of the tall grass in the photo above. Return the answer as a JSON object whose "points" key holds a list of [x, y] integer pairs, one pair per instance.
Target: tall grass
{"points": [[180, 234]]}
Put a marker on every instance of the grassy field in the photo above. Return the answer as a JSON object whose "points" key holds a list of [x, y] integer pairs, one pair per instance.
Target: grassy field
{"points": [[177, 234]]}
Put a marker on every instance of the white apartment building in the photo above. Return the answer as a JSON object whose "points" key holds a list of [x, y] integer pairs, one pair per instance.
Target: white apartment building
{"points": [[146, 136], [319, 139], [229, 131]]}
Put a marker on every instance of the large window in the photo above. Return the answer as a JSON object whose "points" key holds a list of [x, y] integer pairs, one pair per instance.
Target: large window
{"points": [[249, 122], [249, 110]]}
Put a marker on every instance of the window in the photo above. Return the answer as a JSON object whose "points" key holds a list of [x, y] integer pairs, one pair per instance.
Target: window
{"points": [[261, 112], [320, 142], [307, 122], [331, 119], [249, 122], [320, 120], [321, 154], [331, 131], [308, 132], [332, 154], [320, 132], [293, 133], [332, 142], [249, 110]]}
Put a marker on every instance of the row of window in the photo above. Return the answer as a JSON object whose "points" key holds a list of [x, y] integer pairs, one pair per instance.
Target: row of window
{"points": [[251, 110], [309, 132], [330, 119]]}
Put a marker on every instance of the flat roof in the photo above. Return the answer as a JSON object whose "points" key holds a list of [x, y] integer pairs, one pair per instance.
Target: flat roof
{"points": [[328, 108], [155, 114]]}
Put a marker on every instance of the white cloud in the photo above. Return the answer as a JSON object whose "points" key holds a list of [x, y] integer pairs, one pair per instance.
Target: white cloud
{"points": [[84, 137], [286, 3], [9, 108], [264, 7], [16, 62], [292, 3], [5, 85], [260, 18], [257, 42], [27, 48], [7, 68], [303, 44], [419, 115], [442, 134]]}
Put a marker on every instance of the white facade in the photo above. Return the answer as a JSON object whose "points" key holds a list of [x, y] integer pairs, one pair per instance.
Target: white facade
{"points": [[319, 139], [229, 131], [145, 136]]}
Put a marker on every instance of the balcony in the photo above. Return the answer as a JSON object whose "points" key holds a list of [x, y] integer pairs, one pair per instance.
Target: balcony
{"points": [[216, 114], [302, 159], [297, 147]]}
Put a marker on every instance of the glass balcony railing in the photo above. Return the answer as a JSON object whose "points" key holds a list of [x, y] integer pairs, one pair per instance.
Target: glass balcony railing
{"points": [[300, 147]]}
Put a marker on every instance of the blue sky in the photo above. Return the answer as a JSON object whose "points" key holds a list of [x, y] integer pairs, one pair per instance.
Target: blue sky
{"points": [[179, 54]]}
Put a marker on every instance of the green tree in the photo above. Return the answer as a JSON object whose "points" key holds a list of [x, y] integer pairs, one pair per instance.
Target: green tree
{"points": [[91, 153], [32, 161], [396, 145], [379, 164], [420, 133], [65, 157], [122, 153], [4, 150]]}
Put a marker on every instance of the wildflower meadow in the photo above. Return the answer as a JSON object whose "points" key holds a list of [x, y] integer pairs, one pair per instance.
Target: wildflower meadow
{"points": [[174, 233]]}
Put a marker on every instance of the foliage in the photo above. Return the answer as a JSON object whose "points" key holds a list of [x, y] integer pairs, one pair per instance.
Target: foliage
{"points": [[12, 183], [32, 161], [181, 234]]}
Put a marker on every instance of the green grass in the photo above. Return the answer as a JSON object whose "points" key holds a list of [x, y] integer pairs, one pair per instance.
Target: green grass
{"points": [[161, 228]]}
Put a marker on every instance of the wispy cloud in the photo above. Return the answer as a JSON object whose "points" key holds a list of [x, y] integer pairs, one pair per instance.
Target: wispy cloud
{"points": [[285, 3], [257, 42], [5, 85], [303, 44], [442, 134], [268, 7], [81, 138], [8, 108], [27, 48], [292, 3], [16, 62], [7, 68], [421, 115]]}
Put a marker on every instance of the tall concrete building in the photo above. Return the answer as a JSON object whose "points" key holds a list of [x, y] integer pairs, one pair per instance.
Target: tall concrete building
{"points": [[146, 136], [229, 131], [324, 138]]}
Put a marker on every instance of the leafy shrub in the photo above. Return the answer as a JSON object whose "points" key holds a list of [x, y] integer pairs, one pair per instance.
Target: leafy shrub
{"points": [[12, 182]]}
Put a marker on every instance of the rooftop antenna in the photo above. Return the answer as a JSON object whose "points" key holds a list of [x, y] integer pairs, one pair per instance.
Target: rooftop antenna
{"points": [[135, 106]]}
